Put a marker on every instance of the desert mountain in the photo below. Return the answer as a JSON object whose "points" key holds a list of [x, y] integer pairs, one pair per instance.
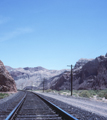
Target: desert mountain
{"points": [[92, 75], [87, 74], [30, 76], [7, 83], [62, 81]]}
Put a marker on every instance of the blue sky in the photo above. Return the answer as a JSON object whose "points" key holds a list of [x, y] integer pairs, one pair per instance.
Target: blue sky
{"points": [[51, 33]]}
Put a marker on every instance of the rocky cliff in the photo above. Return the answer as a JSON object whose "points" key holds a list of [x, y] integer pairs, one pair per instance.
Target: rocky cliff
{"points": [[87, 74], [57, 82], [101, 78], [7, 83], [81, 62]]}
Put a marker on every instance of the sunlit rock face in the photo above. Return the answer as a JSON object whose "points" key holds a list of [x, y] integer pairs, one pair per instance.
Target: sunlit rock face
{"points": [[32, 77], [7, 83], [81, 62]]}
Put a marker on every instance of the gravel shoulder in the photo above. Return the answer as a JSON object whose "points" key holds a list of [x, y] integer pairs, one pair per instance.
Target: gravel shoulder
{"points": [[9, 103], [11, 95], [99, 108]]}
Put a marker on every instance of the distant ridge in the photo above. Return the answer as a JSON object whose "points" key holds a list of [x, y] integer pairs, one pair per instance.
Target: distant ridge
{"points": [[31, 76], [87, 74]]}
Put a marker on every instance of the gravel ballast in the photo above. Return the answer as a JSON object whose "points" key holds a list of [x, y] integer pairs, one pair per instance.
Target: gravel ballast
{"points": [[81, 108], [9, 103]]}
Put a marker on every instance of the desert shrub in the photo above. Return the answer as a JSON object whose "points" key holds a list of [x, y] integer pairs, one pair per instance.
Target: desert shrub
{"points": [[92, 93], [75, 91], [84, 93], [102, 93], [48, 90], [63, 91], [2, 95], [105, 95]]}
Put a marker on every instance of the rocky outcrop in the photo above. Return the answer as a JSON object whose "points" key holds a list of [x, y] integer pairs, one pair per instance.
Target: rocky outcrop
{"points": [[7, 83], [81, 62], [88, 74], [58, 82], [62, 83], [100, 81]]}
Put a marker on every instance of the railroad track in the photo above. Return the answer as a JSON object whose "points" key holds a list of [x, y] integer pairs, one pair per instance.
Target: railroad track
{"points": [[34, 107], [7, 106]]}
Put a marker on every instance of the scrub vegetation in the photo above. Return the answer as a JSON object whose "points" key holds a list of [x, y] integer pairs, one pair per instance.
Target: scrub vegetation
{"points": [[3, 95], [99, 94]]}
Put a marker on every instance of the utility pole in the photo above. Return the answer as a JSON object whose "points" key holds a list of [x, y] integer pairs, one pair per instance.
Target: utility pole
{"points": [[71, 77]]}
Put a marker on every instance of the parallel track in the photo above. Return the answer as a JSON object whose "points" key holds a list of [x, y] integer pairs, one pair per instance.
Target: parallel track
{"points": [[34, 107]]}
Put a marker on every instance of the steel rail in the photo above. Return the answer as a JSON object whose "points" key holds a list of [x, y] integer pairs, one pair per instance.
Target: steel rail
{"points": [[13, 112], [58, 110]]}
